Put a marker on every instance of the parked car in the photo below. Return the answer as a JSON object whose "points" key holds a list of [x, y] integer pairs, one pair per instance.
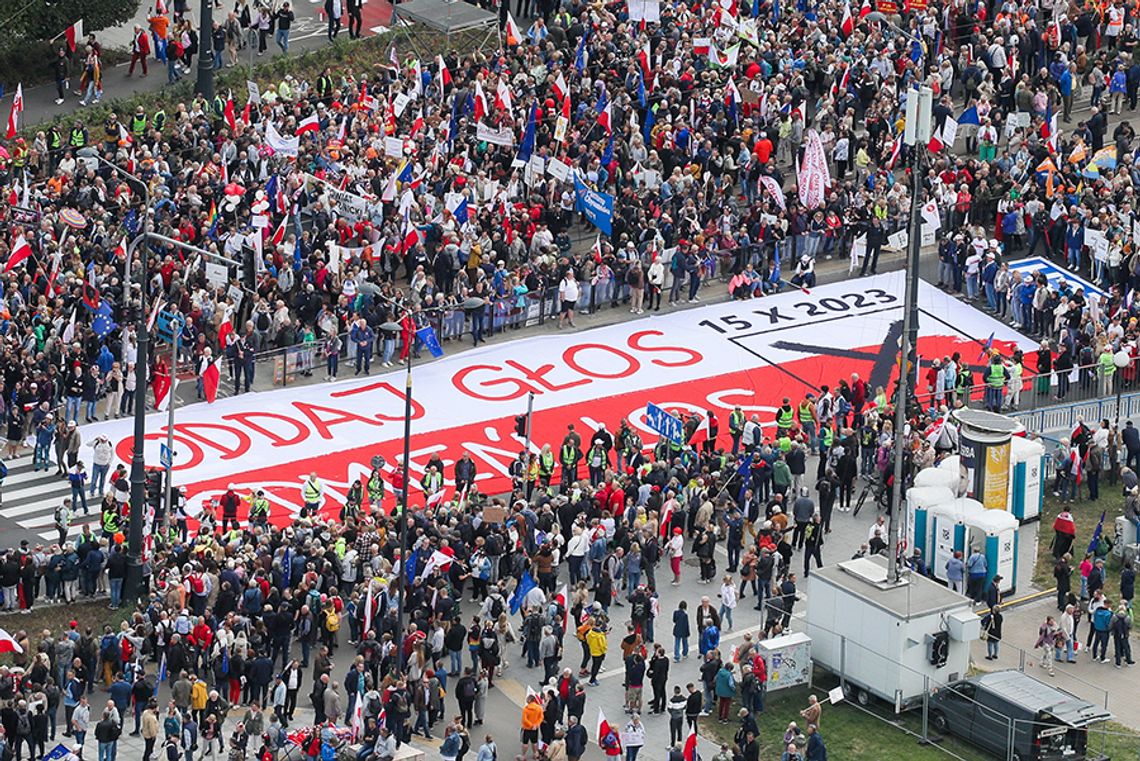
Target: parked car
{"points": [[1045, 723]]}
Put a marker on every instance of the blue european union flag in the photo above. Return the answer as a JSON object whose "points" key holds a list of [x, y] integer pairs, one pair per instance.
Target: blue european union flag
{"points": [[430, 340], [608, 153], [103, 323], [413, 561], [580, 53], [405, 172], [58, 752], [526, 148], [526, 583], [287, 566], [641, 99], [462, 213]]}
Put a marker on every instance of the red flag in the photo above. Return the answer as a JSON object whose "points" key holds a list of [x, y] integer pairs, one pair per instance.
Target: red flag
{"points": [[605, 118], [73, 34], [121, 249], [643, 54], [15, 111], [561, 90], [21, 250], [160, 384], [596, 249], [309, 124], [211, 376], [279, 233], [245, 114], [690, 750], [8, 643], [847, 26], [228, 111], [608, 739], [444, 74], [864, 9], [513, 35], [503, 96], [480, 101], [224, 331], [700, 435]]}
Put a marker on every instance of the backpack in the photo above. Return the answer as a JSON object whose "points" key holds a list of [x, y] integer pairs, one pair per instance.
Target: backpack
{"points": [[332, 621], [328, 752], [467, 690], [23, 723], [496, 606], [109, 648], [263, 321], [638, 609], [197, 586]]}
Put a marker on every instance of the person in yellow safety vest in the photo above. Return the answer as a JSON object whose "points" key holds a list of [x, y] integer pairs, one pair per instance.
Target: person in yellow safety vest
{"points": [[311, 492], [597, 460], [996, 376], [432, 481], [110, 522], [138, 122], [806, 415], [785, 418], [78, 136], [20, 154], [545, 465], [736, 427], [570, 458], [375, 487], [258, 508], [826, 439], [325, 87], [532, 474]]}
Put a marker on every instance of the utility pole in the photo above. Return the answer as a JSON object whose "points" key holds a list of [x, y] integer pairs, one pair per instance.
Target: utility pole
{"points": [[919, 104], [175, 334], [529, 415], [205, 84]]}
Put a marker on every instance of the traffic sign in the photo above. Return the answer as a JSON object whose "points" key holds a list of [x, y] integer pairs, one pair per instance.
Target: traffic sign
{"points": [[669, 426], [165, 456]]}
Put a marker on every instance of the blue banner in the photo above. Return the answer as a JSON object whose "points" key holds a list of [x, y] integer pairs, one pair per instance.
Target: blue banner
{"points": [[430, 341], [58, 752], [1054, 274], [598, 207]]}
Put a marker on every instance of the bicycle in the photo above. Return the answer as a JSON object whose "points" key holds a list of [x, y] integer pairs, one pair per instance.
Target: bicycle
{"points": [[876, 487]]}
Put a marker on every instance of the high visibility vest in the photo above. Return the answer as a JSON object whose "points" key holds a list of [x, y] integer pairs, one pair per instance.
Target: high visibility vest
{"points": [[159, 120], [736, 421], [546, 463], [433, 482], [78, 139], [826, 436], [311, 491], [807, 412], [110, 522], [259, 507], [324, 85], [138, 124], [569, 454], [375, 485], [55, 139], [784, 418], [996, 377]]}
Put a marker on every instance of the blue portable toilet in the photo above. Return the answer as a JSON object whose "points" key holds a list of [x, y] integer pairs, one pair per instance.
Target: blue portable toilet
{"points": [[1027, 485]]}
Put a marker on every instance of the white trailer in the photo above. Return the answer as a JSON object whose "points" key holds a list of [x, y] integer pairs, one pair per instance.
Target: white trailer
{"points": [[881, 637]]}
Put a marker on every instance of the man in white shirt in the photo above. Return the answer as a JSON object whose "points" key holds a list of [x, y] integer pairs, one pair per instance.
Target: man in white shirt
{"points": [[568, 293]]}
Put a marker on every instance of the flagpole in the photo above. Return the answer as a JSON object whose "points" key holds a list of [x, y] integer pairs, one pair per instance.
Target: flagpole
{"points": [[175, 332]]}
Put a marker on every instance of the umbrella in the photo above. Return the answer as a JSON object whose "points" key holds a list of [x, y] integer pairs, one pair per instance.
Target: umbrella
{"points": [[73, 218]]}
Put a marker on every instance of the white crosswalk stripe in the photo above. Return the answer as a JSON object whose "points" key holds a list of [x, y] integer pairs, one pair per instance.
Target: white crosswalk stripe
{"points": [[29, 499]]}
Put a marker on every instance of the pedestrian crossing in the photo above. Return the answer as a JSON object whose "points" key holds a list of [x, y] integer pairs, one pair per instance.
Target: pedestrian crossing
{"points": [[29, 499]]}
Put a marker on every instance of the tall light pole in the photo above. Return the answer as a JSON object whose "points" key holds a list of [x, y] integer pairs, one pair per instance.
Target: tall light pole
{"points": [[394, 327], [205, 84], [1121, 360]]}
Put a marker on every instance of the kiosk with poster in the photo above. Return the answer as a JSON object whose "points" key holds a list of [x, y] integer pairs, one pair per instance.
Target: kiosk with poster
{"points": [[983, 448], [788, 659]]}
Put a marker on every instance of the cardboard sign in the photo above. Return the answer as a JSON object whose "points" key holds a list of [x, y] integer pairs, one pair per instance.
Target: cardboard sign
{"points": [[254, 92], [217, 275], [394, 147]]}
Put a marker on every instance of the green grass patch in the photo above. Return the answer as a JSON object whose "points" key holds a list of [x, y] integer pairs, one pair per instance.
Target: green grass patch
{"points": [[1085, 513]]}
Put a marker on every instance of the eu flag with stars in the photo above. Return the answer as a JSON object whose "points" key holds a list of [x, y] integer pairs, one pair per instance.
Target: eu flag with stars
{"points": [[526, 583], [103, 323], [430, 340]]}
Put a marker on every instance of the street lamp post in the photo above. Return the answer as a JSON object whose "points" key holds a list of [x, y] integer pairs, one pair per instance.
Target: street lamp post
{"points": [[1121, 360], [205, 84], [394, 327]]}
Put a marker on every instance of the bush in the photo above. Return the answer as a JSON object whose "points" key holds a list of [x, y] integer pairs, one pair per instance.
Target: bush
{"points": [[31, 63]]}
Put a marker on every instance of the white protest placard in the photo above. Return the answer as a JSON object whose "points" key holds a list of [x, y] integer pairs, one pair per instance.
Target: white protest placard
{"points": [[645, 10], [537, 165], [394, 147], [858, 252], [898, 239], [559, 170], [1136, 231], [490, 190], [1097, 242], [348, 205], [254, 92], [400, 103], [236, 295], [650, 177], [504, 136], [928, 235], [217, 275], [260, 221]]}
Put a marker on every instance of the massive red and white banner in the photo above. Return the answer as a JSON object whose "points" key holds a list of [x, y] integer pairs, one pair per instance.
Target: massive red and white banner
{"points": [[748, 353]]}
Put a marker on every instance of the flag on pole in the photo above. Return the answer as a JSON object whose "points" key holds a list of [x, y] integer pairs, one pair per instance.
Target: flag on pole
{"points": [[1095, 534], [309, 124], [701, 434], [211, 376], [561, 91], [513, 35], [15, 111], [562, 597], [73, 34], [689, 753], [847, 26], [160, 384], [21, 251], [526, 583], [279, 233], [8, 643], [434, 499], [608, 739], [228, 112]]}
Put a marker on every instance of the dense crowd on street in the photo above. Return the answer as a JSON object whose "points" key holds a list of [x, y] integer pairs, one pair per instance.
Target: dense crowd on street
{"points": [[359, 200]]}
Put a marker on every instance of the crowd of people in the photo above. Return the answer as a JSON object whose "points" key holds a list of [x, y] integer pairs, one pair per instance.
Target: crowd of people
{"points": [[355, 199]]}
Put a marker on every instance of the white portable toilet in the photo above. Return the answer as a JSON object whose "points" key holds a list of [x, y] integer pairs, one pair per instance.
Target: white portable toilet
{"points": [[953, 463], [919, 500], [938, 477], [1027, 478], [948, 532], [995, 533]]}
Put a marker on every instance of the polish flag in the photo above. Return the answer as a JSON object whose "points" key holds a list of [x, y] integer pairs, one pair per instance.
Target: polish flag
{"points": [[73, 34], [279, 233], [15, 111], [309, 124], [121, 249], [21, 250], [225, 330], [8, 643], [701, 435], [689, 753], [228, 111], [480, 101], [864, 9], [444, 74], [160, 384], [245, 114], [124, 136], [643, 54], [211, 376], [562, 597], [503, 96], [847, 26], [605, 118], [896, 149], [561, 90], [596, 249], [514, 36], [434, 499], [608, 738], [666, 519]]}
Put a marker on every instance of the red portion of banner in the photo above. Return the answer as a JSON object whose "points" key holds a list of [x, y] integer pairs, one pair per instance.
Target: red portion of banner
{"points": [[492, 444]]}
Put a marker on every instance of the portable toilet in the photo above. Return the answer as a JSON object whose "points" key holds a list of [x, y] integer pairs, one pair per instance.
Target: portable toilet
{"points": [[948, 532], [938, 477], [953, 464], [995, 533], [919, 500], [1027, 478]]}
